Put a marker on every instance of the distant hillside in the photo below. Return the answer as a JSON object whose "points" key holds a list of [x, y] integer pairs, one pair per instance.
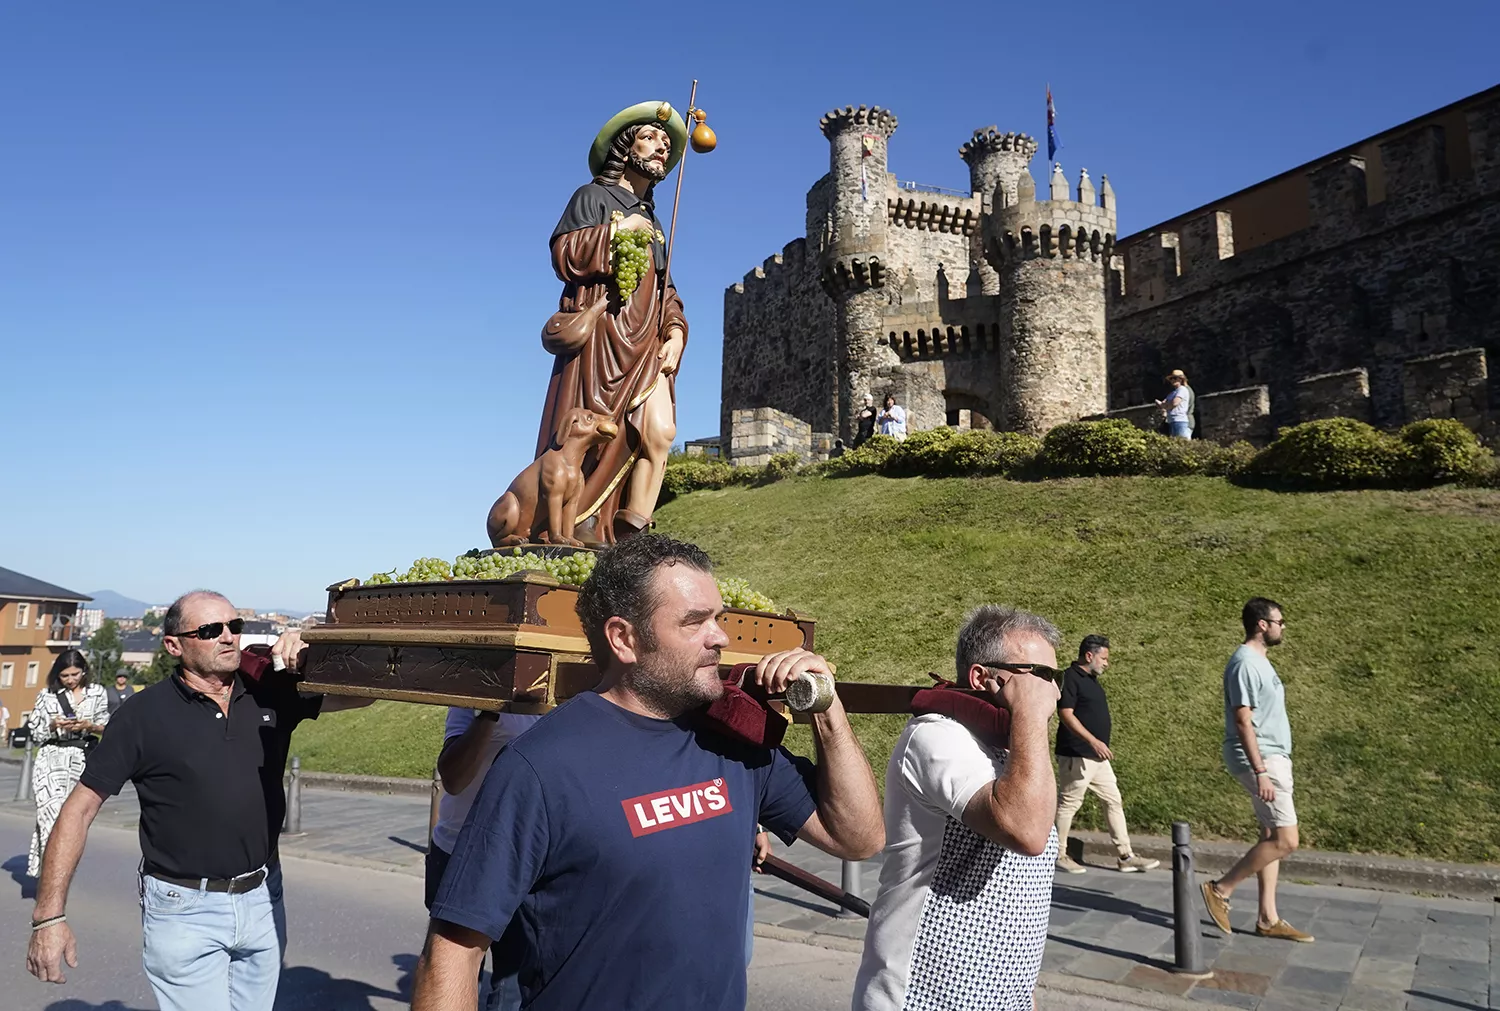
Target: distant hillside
{"points": [[1392, 605], [116, 605]]}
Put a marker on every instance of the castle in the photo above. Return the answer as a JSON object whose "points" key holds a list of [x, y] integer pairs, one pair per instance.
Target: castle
{"points": [[1364, 284]]}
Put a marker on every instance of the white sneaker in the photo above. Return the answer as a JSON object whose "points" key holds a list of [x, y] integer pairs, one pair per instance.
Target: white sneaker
{"points": [[1134, 864], [1068, 865]]}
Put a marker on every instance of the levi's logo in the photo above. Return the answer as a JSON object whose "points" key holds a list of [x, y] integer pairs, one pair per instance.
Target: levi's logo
{"points": [[653, 812]]}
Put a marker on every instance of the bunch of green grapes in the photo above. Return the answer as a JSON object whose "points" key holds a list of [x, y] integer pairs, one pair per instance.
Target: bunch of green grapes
{"points": [[381, 577], [573, 569], [630, 254], [737, 593], [427, 570]]}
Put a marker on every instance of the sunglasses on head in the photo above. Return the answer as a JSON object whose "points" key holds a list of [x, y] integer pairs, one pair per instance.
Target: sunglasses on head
{"points": [[214, 629], [1040, 670]]}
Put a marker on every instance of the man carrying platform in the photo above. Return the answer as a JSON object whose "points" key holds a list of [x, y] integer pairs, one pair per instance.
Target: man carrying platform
{"points": [[616, 832]]}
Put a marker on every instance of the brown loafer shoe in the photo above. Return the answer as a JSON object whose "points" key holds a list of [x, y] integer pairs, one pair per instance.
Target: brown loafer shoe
{"points": [[1283, 931], [1217, 905]]}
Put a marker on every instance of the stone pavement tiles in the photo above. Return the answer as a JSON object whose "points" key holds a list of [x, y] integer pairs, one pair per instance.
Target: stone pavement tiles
{"points": [[1375, 951]]}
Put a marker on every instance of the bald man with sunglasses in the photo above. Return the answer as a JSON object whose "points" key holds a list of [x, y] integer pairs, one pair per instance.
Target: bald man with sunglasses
{"points": [[206, 749]]}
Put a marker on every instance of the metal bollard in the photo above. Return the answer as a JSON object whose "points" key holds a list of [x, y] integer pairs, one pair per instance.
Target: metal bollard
{"points": [[1185, 904], [23, 788], [849, 882], [293, 823], [432, 811]]}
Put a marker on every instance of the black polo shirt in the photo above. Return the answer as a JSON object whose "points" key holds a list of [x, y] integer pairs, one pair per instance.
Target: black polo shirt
{"points": [[1082, 693], [210, 785]]}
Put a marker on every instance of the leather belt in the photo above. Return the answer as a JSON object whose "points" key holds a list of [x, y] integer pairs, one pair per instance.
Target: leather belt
{"points": [[234, 886]]}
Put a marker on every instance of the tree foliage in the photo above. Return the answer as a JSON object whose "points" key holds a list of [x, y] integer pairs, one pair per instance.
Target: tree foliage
{"points": [[103, 650]]}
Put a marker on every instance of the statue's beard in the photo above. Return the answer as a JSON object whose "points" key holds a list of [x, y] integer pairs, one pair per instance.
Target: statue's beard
{"points": [[655, 171]]}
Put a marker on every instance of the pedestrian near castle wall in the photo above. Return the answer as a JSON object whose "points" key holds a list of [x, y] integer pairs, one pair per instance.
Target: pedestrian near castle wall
{"points": [[66, 722], [1178, 406], [1258, 753], [1084, 757], [960, 922]]}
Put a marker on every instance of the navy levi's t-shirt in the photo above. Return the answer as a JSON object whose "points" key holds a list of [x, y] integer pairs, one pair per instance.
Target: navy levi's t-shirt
{"points": [[621, 845]]}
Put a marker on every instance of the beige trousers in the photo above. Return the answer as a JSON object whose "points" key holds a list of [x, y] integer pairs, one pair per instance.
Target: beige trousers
{"points": [[1077, 776]]}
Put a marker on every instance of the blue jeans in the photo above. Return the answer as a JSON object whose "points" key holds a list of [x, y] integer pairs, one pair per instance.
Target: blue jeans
{"points": [[1180, 429], [209, 951]]}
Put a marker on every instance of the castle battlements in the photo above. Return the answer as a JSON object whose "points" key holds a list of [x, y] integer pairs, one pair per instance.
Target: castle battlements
{"points": [[947, 214], [865, 118], [1414, 180], [1080, 228]]}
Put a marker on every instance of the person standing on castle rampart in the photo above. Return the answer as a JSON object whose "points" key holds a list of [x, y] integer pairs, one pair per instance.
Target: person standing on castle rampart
{"points": [[866, 422], [893, 418], [625, 368], [1179, 406], [1258, 753], [1084, 757]]}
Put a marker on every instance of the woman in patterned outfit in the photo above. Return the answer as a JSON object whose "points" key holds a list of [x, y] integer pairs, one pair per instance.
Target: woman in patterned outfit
{"points": [[65, 721]]}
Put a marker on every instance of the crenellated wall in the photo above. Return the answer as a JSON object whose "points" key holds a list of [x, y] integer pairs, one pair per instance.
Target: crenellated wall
{"points": [[1367, 284]]}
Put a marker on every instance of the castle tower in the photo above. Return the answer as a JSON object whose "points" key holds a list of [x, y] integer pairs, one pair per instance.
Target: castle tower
{"points": [[996, 161], [1052, 257], [852, 250]]}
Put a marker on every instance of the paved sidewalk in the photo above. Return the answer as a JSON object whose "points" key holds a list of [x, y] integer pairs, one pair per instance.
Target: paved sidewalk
{"points": [[1375, 951]]}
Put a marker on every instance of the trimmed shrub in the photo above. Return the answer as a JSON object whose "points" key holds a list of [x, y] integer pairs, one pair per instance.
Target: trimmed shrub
{"points": [[690, 473], [924, 452], [1010, 453], [1226, 461], [867, 459], [1095, 448], [1331, 454], [779, 466], [1442, 449]]}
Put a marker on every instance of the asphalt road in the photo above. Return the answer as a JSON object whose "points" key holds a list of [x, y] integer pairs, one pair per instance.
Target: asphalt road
{"points": [[354, 937]]}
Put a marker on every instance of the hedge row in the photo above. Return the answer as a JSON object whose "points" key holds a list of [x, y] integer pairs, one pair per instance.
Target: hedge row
{"points": [[1337, 453]]}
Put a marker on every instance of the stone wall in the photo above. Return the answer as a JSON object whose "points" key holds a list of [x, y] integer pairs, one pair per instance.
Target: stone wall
{"points": [[1335, 395], [1236, 414], [1452, 385], [1368, 284], [778, 341], [757, 434]]}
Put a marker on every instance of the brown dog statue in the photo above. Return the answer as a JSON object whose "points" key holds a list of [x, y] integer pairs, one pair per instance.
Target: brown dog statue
{"points": [[541, 505]]}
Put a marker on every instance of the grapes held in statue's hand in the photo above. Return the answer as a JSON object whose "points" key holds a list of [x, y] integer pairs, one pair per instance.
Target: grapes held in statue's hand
{"points": [[630, 253]]}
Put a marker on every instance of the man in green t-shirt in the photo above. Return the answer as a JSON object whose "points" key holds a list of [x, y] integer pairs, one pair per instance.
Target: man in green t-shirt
{"points": [[1258, 753]]}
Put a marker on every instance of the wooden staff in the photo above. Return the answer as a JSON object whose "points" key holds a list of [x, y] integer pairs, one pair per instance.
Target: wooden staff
{"points": [[676, 200]]}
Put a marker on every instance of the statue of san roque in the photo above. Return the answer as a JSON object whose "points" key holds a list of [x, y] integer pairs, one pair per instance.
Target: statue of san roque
{"points": [[618, 338]]}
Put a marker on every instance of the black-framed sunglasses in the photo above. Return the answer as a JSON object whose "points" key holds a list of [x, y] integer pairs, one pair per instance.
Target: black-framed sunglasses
{"points": [[1040, 670], [214, 629]]}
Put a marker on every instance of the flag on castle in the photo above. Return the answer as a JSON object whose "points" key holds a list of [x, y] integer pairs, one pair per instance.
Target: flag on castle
{"points": [[1052, 144]]}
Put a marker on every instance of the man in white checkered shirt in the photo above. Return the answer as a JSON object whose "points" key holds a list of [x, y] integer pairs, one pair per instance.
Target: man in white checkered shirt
{"points": [[966, 887]]}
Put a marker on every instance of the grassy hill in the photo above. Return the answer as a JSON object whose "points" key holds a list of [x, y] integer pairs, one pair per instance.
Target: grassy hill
{"points": [[1390, 661]]}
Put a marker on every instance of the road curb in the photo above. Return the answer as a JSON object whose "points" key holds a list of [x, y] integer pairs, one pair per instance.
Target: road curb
{"points": [[1118, 995], [1350, 870], [816, 940], [351, 783]]}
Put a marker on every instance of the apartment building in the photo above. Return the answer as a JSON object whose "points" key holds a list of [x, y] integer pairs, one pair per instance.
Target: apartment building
{"points": [[38, 620]]}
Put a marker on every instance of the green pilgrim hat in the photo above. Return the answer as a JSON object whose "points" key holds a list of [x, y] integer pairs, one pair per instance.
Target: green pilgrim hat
{"points": [[657, 114]]}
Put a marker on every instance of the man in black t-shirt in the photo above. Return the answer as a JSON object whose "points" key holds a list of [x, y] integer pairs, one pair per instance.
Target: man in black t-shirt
{"points": [[206, 749], [1083, 757]]}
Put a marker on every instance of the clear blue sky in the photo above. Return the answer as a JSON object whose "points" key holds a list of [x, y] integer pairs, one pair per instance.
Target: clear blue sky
{"points": [[272, 275]]}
